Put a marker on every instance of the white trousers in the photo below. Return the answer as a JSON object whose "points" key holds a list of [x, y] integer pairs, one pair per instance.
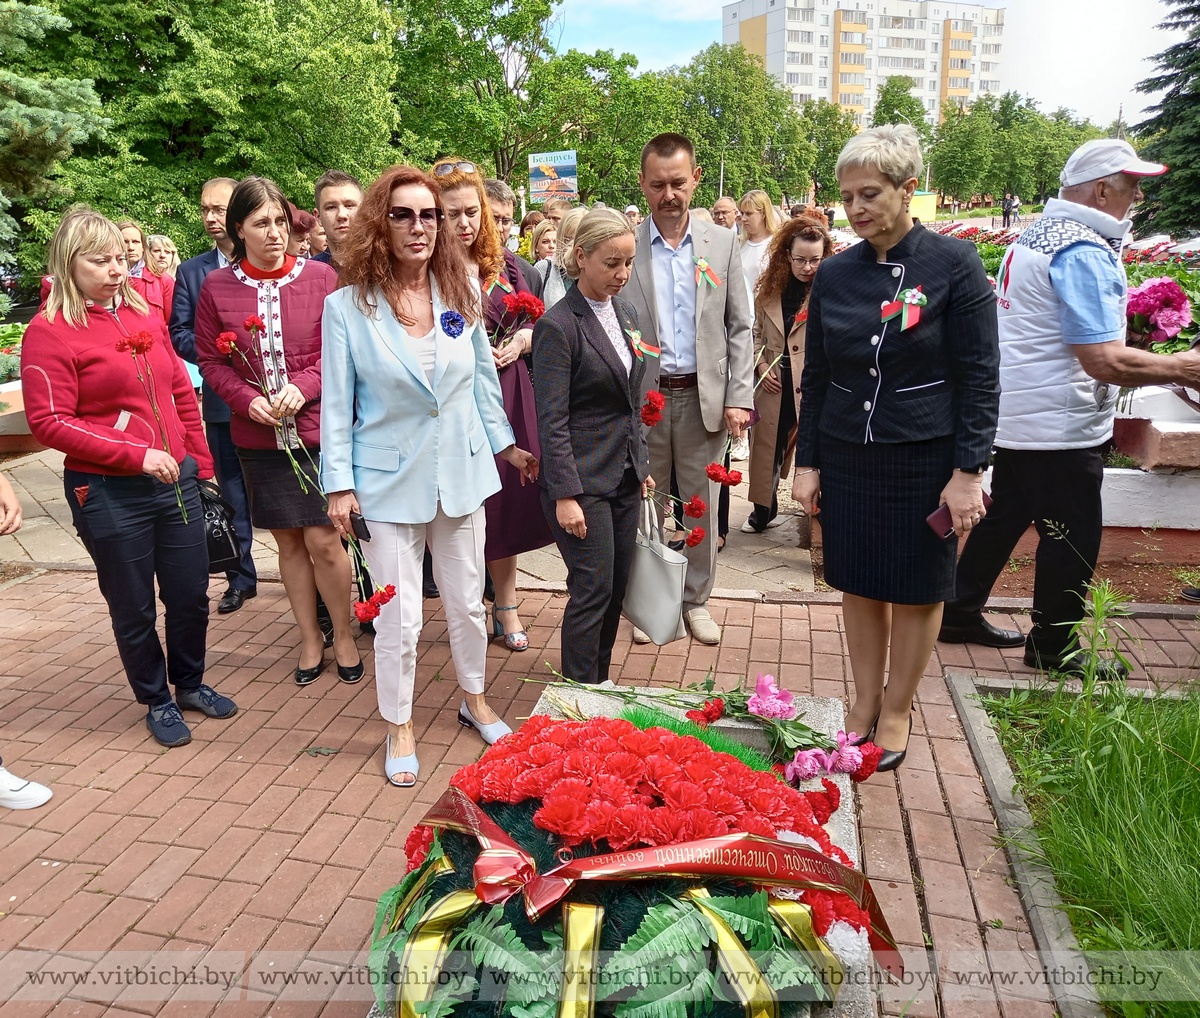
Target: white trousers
{"points": [[395, 553]]}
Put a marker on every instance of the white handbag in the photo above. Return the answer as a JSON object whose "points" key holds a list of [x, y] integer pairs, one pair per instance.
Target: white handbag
{"points": [[654, 595]]}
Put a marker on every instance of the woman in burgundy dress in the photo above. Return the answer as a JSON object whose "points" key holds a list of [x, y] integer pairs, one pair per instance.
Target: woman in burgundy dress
{"points": [[515, 522]]}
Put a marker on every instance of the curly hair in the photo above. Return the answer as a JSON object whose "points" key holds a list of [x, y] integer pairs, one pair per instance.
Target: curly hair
{"points": [[488, 249], [779, 261], [369, 265]]}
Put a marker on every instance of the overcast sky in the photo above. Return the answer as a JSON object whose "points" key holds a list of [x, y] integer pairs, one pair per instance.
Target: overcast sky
{"points": [[1086, 55]]}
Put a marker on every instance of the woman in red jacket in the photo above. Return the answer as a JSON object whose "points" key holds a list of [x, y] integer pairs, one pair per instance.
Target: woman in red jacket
{"points": [[102, 384], [258, 339], [157, 290]]}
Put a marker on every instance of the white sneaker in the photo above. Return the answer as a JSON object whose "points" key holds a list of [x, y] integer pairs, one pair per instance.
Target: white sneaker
{"points": [[749, 528], [17, 793], [740, 450], [702, 626]]}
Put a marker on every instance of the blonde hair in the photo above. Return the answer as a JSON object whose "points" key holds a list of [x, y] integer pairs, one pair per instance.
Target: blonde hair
{"points": [[598, 226], [539, 231], [892, 149], [762, 203], [567, 227], [168, 245], [82, 232], [703, 215]]}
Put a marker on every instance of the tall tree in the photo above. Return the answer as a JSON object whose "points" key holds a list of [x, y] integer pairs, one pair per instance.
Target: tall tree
{"points": [[962, 149], [737, 114], [42, 117], [896, 104], [827, 128], [1172, 202]]}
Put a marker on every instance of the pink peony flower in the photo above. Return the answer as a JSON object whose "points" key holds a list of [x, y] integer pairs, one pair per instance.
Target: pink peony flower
{"points": [[769, 701], [1169, 322], [807, 763]]}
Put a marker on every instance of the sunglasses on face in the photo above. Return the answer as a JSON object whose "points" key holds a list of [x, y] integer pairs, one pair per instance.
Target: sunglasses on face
{"points": [[446, 168], [402, 215]]}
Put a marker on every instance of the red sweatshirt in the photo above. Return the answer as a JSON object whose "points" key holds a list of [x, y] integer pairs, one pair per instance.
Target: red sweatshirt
{"points": [[83, 396]]}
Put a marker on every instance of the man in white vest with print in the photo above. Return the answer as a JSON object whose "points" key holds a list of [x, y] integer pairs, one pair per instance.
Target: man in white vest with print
{"points": [[1062, 293]]}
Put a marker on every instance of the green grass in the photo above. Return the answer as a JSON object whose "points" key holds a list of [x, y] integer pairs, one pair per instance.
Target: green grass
{"points": [[1112, 781], [649, 717]]}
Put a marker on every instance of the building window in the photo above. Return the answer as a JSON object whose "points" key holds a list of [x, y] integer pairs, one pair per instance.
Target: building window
{"points": [[852, 79], [959, 82], [992, 48], [985, 66], [932, 85], [806, 79], [793, 56], [902, 63], [959, 64], [850, 99], [933, 65], [960, 44], [824, 20], [853, 38], [792, 79], [854, 17], [901, 42], [854, 58], [793, 36], [933, 47], [824, 40], [822, 83], [802, 97], [823, 62]]}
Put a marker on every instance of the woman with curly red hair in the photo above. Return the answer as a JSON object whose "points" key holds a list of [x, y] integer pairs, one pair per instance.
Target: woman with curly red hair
{"points": [[780, 317], [411, 419], [515, 523]]}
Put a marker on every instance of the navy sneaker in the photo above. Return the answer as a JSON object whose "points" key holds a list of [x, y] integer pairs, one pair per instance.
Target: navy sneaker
{"points": [[167, 726], [207, 701]]}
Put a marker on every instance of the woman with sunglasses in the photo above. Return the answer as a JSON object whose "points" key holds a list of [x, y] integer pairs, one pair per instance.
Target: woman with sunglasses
{"points": [[268, 304], [412, 417], [515, 523], [780, 322]]}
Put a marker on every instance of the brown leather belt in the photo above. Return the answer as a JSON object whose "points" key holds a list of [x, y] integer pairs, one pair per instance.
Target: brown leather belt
{"points": [[677, 381]]}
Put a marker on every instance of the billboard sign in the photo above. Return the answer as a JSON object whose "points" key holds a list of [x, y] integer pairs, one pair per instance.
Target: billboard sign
{"points": [[553, 175]]}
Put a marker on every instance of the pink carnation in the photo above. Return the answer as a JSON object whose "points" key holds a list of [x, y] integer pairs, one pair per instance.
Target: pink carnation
{"points": [[769, 701]]}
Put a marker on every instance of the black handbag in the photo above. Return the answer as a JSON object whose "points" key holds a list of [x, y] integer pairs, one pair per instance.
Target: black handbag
{"points": [[224, 548]]}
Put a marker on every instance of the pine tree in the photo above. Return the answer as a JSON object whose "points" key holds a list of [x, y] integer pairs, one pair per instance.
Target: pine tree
{"points": [[1172, 202]]}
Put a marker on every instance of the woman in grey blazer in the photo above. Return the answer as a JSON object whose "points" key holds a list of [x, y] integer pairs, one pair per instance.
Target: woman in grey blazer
{"points": [[595, 466]]}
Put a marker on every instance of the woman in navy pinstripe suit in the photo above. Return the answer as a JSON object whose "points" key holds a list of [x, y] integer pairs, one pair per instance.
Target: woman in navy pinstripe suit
{"points": [[899, 400]]}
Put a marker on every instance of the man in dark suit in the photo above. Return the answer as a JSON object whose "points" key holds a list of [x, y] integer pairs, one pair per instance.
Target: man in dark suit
{"points": [[503, 202], [214, 201]]}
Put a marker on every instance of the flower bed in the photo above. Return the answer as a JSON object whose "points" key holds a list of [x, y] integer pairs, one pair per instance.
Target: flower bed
{"points": [[635, 871]]}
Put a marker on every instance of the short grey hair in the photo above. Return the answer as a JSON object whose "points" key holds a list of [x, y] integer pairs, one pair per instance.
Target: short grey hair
{"points": [[892, 149], [498, 191], [596, 227]]}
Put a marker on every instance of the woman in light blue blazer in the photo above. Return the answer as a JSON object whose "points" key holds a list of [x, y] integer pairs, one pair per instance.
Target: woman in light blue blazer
{"points": [[411, 419]]}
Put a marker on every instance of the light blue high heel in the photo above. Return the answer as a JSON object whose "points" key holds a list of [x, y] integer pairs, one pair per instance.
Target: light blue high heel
{"points": [[491, 733], [402, 765]]}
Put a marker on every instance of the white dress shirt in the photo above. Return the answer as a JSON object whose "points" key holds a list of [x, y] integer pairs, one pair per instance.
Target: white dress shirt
{"points": [[675, 298]]}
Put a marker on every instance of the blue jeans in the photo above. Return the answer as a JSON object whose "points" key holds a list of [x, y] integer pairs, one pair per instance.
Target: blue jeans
{"points": [[134, 531]]}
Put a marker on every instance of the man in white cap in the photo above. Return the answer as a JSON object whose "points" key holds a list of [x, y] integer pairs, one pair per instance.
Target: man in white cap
{"points": [[1061, 292], [634, 215]]}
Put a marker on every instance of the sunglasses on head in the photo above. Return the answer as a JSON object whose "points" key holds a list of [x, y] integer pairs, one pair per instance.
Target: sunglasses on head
{"points": [[403, 215], [445, 168]]}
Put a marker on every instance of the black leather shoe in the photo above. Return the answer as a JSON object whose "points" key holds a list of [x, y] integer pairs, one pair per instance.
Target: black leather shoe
{"points": [[1107, 670], [429, 589], [982, 633], [352, 674], [233, 599], [893, 758], [306, 675]]}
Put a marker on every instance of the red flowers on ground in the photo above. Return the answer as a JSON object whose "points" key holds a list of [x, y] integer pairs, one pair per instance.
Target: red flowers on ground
{"points": [[138, 343], [706, 715], [226, 341], [695, 507], [718, 473], [524, 303], [254, 324], [653, 407], [695, 536]]}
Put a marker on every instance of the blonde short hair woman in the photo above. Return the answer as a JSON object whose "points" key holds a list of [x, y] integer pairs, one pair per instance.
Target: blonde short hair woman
{"points": [[557, 282], [759, 223], [162, 254]]}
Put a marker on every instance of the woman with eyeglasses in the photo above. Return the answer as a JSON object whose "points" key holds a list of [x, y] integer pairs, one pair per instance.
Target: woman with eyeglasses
{"points": [[515, 523], [780, 322], [258, 339], [412, 418]]}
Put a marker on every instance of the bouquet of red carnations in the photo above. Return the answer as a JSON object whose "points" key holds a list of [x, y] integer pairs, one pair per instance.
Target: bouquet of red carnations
{"points": [[626, 872]]}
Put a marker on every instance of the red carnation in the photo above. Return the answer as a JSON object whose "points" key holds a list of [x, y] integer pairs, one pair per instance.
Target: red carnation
{"points": [[695, 507], [417, 845], [733, 478], [138, 343], [656, 399], [524, 303], [824, 804], [650, 416], [712, 709], [383, 595], [365, 611], [254, 324], [716, 472], [563, 817], [628, 826], [870, 754], [226, 342], [695, 536]]}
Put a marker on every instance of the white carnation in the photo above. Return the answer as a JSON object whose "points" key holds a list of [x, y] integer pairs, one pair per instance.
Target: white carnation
{"points": [[851, 946]]}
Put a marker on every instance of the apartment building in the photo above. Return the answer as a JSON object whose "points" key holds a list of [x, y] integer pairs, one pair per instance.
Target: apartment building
{"points": [[843, 50]]}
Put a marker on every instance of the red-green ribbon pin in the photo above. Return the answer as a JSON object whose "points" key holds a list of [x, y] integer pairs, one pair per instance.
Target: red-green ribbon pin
{"points": [[704, 272], [641, 349], [501, 282], [907, 307]]}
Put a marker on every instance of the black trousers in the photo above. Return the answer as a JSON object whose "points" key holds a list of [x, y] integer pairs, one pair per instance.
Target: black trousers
{"points": [[761, 515], [597, 573], [1058, 491], [233, 490], [134, 531]]}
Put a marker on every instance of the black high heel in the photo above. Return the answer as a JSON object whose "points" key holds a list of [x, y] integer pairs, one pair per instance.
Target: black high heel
{"points": [[893, 758], [862, 740], [306, 675], [352, 674]]}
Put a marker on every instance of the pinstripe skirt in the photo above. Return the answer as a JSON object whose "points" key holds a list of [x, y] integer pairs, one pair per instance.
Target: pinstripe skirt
{"points": [[874, 500]]}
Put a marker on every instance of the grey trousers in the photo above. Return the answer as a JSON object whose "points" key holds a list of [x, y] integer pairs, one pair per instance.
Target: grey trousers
{"points": [[680, 440]]}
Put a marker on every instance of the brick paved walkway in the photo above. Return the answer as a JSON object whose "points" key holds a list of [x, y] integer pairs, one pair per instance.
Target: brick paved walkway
{"points": [[243, 842]]}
